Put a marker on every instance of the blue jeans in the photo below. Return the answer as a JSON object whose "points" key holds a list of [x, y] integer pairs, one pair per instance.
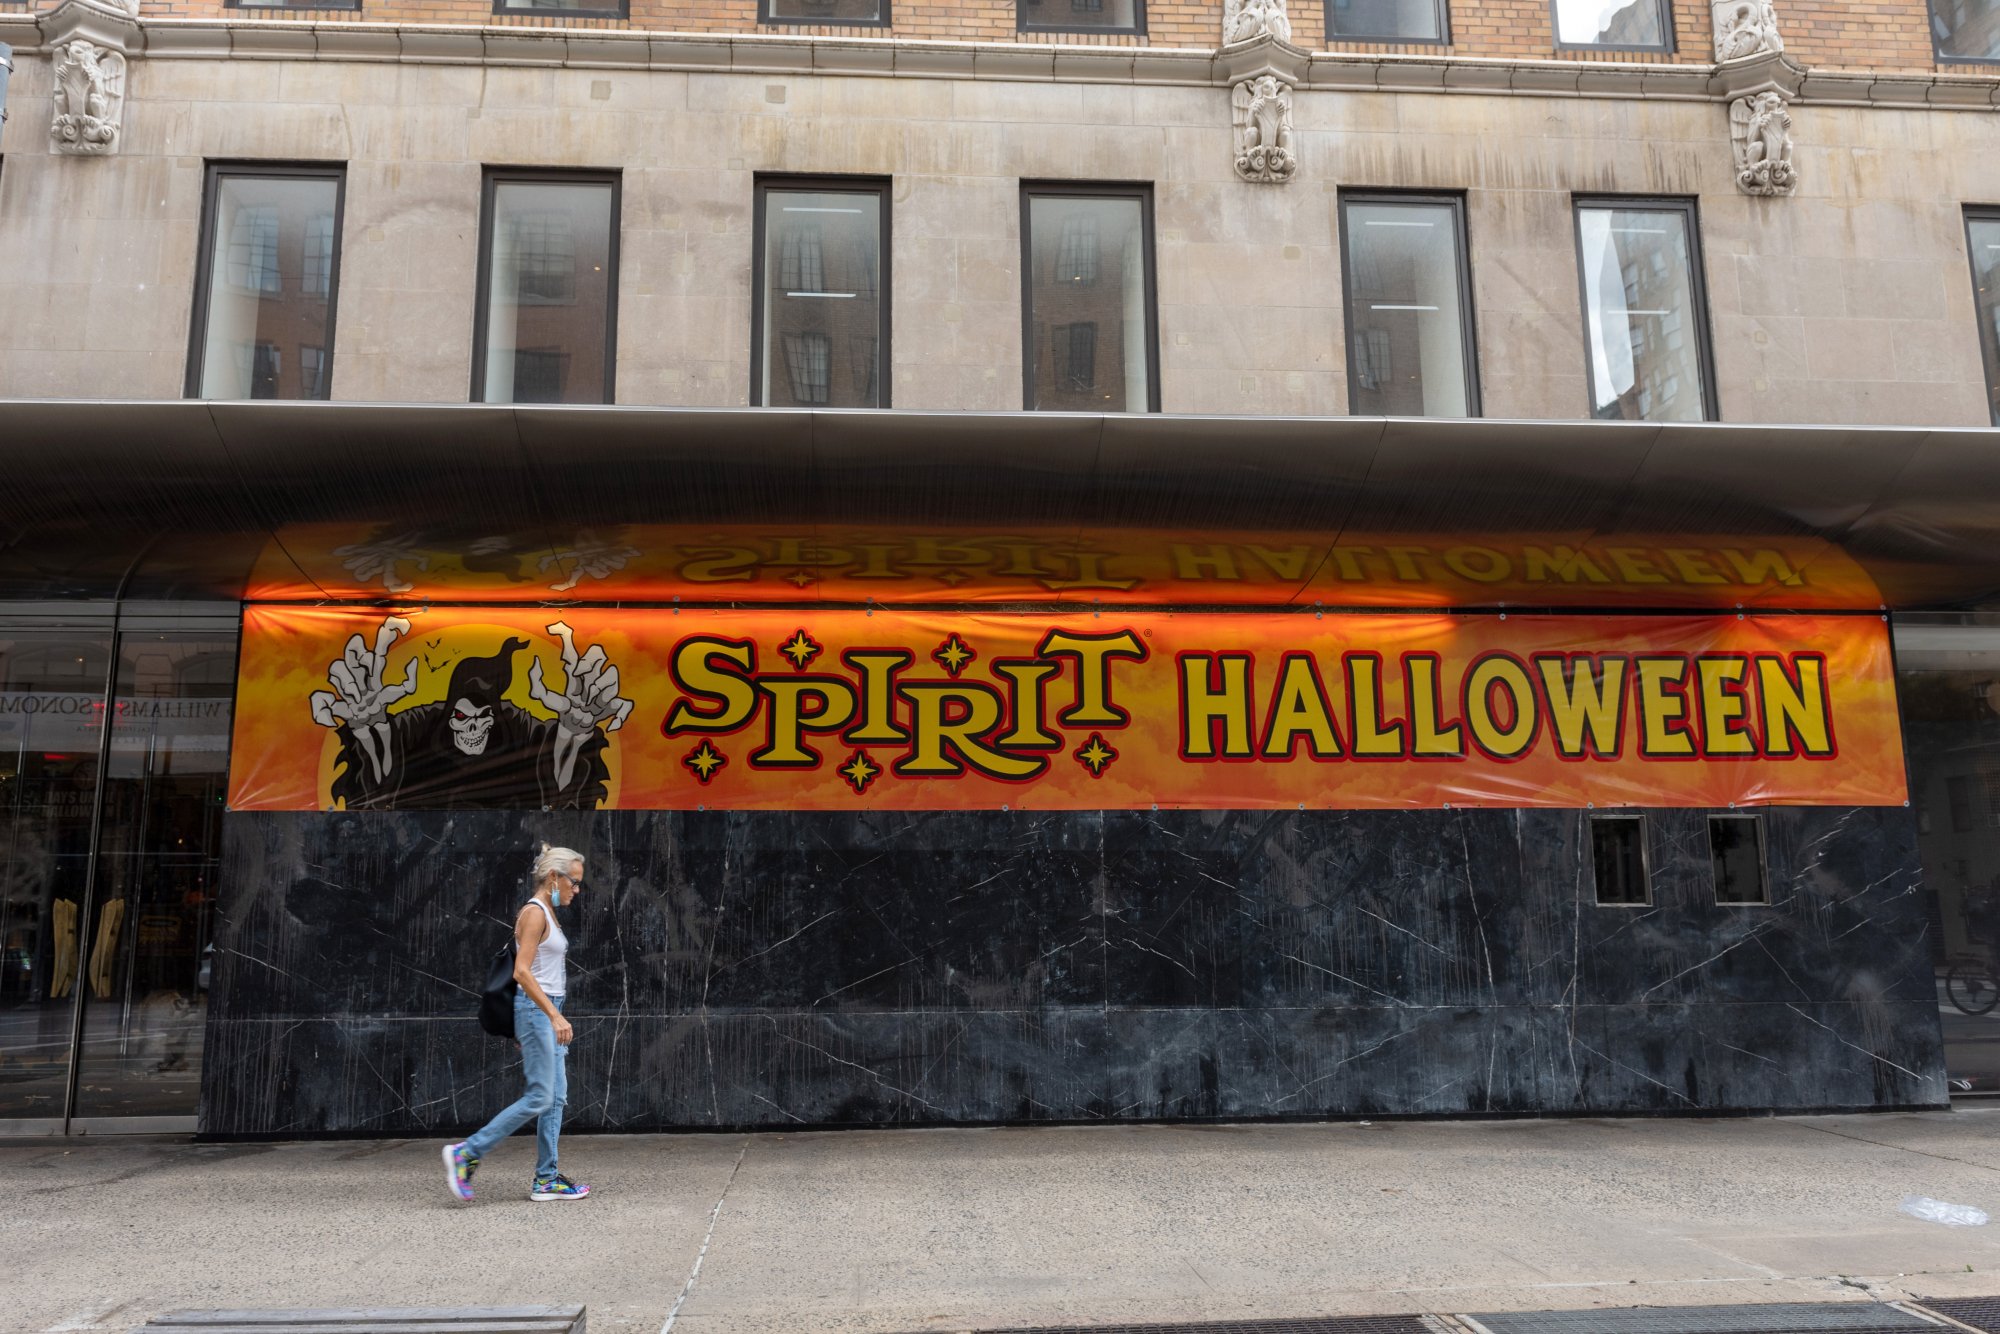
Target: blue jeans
{"points": [[546, 1064]]}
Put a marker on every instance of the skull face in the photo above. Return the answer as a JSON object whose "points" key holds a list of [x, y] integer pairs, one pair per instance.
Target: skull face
{"points": [[471, 726]]}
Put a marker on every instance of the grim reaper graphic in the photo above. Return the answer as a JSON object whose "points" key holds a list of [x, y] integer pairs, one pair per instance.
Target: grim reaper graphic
{"points": [[474, 749]]}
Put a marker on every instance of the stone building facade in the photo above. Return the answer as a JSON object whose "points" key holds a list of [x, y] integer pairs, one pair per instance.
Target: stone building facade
{"points": [[1657, 325]]}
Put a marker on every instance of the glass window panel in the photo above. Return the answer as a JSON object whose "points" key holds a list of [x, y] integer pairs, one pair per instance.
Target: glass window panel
{"points": [[1618, 857], [1087, 300], [1107, 15], [1736, 855], [1610, 23], [270, 285], [1966, 29], [144, 977], [823, 11], [51, 713], [1406, 312], [1394, 20], [1639, 314], [822, 266], [559, 6], [548, 285], [1983, 240]]}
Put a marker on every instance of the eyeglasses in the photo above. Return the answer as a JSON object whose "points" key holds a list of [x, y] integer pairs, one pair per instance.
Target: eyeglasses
{"points": [[572, 879]]}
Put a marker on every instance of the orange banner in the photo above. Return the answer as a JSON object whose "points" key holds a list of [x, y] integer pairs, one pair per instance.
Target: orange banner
{"points": [[468, 707], [1125, 567]]}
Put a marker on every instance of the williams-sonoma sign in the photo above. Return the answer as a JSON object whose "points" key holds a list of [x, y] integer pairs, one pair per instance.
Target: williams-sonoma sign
{"points": [[839, 709]]}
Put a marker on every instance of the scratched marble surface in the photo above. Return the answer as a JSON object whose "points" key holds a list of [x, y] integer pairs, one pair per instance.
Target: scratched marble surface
{"points": [[739, 969]]}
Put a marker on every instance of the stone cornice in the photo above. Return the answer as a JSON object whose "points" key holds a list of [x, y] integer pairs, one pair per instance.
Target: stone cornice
{"points": [[761, 53]]}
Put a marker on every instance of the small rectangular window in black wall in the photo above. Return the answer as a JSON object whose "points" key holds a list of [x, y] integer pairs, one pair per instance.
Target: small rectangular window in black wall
{"points": [[1618, 855], [1736, 851]]}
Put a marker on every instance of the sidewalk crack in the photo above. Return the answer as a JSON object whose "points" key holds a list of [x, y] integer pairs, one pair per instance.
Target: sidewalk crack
{"points": [[702, 1254]]}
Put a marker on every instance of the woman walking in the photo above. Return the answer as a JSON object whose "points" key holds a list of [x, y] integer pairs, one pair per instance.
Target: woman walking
{"points": [[541, 974]]}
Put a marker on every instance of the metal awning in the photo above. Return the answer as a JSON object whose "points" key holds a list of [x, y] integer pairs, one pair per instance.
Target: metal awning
{"points": [[203, 500]]}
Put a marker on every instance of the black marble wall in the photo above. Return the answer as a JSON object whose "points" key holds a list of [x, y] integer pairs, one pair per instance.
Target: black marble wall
{"points": [[738, 969]]}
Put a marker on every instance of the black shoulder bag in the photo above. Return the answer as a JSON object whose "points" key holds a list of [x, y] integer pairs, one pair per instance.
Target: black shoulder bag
{"points": [[496, 998]]}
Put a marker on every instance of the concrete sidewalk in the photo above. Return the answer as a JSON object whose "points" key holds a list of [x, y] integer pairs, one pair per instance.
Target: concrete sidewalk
{"points": [[952, 1229]]}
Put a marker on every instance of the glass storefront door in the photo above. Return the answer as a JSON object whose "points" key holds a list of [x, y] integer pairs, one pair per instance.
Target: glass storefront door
{"points": [[1948, 678], [103, 973], [51, 721]]}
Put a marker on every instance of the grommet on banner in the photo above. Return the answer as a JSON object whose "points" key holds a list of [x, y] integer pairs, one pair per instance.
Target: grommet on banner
{"points": [[677, 604], [700, 807], [1447, 805], [1590, 805], [1503, 615], [1156, 805], [1302, 805], [1003, 806]]}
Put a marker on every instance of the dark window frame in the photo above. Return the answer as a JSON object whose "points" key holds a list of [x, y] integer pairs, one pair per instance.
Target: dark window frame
{"points": [[1668, 44], [1697, 289], [490, 179], [1139, 190], [1441, 7], [1938, 53], [1638, 819], [765, 18], [1138, 28], [1989, 349], [880, 186], [1468, 326], [1763, 859], [204, 273], [621, 11], [345, 6]]}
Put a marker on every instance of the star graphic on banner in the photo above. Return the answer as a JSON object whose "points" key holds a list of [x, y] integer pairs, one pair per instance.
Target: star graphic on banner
{"points": [[799, 578], [705, 760], [950, 578], [860, 771], [953, 654], [1095, 755], [801, 649]]}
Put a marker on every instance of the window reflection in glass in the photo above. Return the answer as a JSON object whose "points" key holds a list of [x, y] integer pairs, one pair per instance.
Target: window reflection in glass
{"points": [[1087, 299], [1385, 20], [822, 266], [270, 289], [1610, 23], [548, 287], [51, 716], [1105, 15], [1641, 318], [144, 986], [823, 11], [1982, 234], [1966, 29], [1406, 311]]}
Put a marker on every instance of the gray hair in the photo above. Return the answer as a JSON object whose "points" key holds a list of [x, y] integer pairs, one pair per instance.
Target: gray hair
{"points": [[554, 861]]}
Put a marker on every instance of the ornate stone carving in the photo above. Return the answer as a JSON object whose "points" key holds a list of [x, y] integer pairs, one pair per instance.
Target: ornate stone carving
{"points": [[1243, 20], [1760, 131], [89, 101], [1261, 109], [1745, 28]]}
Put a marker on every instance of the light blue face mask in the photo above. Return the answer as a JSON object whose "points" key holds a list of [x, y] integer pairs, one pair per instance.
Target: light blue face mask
{"points": [[555, 891]]}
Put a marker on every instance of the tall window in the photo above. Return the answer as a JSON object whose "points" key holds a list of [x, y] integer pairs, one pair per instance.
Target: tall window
{"points": [[1613, 25], [848, 13], [1080, 15], [820, 329], [1966, 30], [1385, 21], [1982, 241], [1645, 321], [266, 282], [547, 322], [1409, 315], [1089, 335]]}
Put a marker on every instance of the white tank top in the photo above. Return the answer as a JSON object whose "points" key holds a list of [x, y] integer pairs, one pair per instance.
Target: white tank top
{"points": [[550, 965]]}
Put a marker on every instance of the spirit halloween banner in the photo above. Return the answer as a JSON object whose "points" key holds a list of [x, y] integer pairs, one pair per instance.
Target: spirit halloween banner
{"points": [[657, 563], [652, 709]]}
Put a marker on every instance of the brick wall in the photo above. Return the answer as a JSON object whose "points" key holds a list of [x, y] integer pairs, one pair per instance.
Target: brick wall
{"points": [[1886, 34]]}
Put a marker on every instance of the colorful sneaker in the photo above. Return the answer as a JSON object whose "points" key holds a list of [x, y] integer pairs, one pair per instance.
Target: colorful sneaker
{"points": [[557, 1187], [458, 1169]]}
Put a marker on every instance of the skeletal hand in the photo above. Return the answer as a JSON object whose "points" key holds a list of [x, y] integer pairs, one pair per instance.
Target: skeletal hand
{"points": [[589, 697], [360, 698]]}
